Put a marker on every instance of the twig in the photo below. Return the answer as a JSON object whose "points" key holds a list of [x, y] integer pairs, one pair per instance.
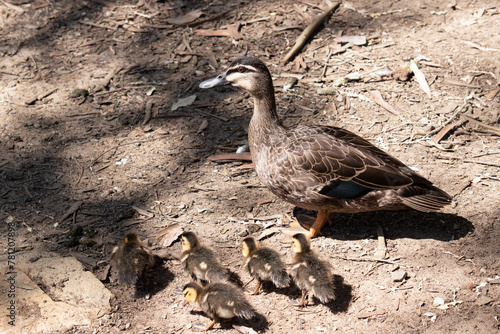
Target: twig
{"points": [[108, 77], [97, 25], [468, 160], [92, 163], [194, 24], [459, 110], [71, 210], [245, 156], [40, 96], [212, 115], [367, 259], [82, 170], [445, 130], [489, 128], [308, 32]]}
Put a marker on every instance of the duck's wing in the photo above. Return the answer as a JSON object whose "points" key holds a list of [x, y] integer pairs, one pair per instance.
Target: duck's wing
{"points": [[338, 163]]}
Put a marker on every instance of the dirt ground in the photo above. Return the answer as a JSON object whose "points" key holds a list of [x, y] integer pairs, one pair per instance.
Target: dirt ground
{"points": [[79, 147]]}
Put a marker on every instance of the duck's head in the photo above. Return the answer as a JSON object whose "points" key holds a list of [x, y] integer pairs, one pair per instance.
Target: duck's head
{"points": [[189, 241], [249, 245], [249, 73], [191, 291], [300, 243], [132, 238]]}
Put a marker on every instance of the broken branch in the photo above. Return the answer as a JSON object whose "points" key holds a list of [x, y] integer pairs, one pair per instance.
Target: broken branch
{"points": [[301, 41]]}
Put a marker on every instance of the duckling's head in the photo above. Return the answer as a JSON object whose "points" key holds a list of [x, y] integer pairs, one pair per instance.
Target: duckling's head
{"points": [[189, 241], [300, 243], [191, 291], [249, 73], [132, 238], [249, 245]]}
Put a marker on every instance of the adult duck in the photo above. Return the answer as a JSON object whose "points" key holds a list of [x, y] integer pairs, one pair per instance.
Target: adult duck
{"points": [[322, 168]]}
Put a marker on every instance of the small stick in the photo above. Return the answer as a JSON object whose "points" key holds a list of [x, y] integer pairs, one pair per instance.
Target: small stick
{"points": [[487, 163], [97, 25], [301, 41], [367, 259], [41, 96], [71, 210], [489, 128], [106, 80]]}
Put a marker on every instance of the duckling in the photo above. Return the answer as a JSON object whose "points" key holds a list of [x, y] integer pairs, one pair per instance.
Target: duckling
{"points": [[200, 261], [309, 272], [131, 258], [219, 300], [264, 264], [323, 168]]}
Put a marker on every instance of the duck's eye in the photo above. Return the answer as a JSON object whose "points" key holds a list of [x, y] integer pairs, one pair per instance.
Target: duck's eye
{"points": [[241, 69]]}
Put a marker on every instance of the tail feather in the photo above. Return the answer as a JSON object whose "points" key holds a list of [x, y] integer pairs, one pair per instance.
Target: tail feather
{"points": [[281, 279], [325, 292], [245, 311], [424, 199]]}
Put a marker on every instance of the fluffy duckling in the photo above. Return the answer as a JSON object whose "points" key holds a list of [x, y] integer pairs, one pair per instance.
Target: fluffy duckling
{"points": [[310, 273], [219, 300], [131, 259], [264, 264], [200, 261]]}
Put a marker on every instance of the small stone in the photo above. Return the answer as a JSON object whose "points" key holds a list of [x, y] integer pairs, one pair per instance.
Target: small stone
{"points": [[398, 275]]}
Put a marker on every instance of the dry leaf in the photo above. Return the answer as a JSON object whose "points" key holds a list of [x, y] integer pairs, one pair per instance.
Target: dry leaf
{"points": [[377, 97], [356, 40], [213, 33], [184, 102], [234, 31], [169, 234], [420, 79], [185, 19]]}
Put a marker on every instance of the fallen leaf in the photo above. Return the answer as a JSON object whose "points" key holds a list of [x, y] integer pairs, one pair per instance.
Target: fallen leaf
{"points": [[431, 315], [169, 235], [213, 33], [184, 102], [491, 94], [356, 40], [234, 31], [268, 232], [203, 126], [186, 18], [420, 79], [143, 212], [483, 300], [364, 315], [377, 97]]}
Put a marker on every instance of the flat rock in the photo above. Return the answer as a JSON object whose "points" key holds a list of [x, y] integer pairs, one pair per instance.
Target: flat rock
{"points": [[52, 294], [398, 275]]}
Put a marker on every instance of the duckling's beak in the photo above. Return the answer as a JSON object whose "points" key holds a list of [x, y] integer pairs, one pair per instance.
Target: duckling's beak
{"points": [[214, 82]]}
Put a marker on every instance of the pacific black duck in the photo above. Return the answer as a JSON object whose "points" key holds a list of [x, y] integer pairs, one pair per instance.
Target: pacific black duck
{"points": [[264, 264], [219, 300], [323, 168], [131, 259], [309, 272], [200, 261]]}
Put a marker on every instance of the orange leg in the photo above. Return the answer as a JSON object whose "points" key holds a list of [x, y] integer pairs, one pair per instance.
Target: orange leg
{"points": [[303, 301], [257, 288], [210, 325], [311, 228]]}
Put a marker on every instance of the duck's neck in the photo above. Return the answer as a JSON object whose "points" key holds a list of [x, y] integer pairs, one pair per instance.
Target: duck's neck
{"points": [[265, 119]]}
